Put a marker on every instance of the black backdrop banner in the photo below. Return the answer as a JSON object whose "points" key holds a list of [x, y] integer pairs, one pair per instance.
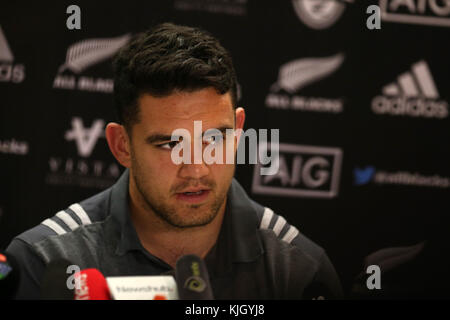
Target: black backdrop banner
{"points": [[363, 115]]}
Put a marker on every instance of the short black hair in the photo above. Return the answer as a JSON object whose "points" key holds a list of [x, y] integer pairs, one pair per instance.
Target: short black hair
{"points": [[169, 58]]}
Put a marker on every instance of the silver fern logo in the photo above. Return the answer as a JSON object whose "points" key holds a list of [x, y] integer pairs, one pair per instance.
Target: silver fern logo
{"points": [[298, 74], [84, 54], [319, 14]]}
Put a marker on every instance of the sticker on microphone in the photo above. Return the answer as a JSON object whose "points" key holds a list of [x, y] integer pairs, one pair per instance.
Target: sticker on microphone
{"points": [[143, 288]]}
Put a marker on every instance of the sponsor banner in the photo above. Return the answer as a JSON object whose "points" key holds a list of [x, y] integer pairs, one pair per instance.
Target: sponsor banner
{"points": [[82, 170], [413, 94], [295, 75], [9, 70], [420, 12], [369, 174], [12, 146], [303, 171], [82, 55]]}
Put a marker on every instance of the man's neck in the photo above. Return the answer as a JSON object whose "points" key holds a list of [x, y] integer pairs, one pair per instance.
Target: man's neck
{"points": [[169, 243]]}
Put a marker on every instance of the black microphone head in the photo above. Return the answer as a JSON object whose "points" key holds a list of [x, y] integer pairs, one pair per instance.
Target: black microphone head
{"points": [[55, 283], [192, 279], [9, 276]]}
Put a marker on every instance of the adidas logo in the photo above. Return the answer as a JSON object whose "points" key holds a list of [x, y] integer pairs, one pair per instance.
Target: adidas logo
{"points": [[5, 52], [415, 83], [9, 72], [84, 54], [298, 74], [414, 94]]}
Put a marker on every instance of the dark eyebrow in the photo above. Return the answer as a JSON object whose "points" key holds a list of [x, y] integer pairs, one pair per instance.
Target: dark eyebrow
{"points": [[158, 137], [222, 129], [151, 139]]}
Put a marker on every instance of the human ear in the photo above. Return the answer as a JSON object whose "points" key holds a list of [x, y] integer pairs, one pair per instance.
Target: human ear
{"points": [[239, 124], [119, 143]]}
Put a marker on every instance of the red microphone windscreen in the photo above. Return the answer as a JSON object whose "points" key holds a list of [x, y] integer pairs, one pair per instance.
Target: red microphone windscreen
{"points": [[90, 284]]}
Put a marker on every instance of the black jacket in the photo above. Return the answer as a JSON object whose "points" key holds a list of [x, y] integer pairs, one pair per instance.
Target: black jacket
{"points": [[258, 255]]}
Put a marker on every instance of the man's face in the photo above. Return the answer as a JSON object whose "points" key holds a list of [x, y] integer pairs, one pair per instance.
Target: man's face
{"points": [[166, 188]]}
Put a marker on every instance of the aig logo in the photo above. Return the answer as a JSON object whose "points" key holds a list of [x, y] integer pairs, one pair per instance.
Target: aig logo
{"points": [[304, 171], [423, 12]]}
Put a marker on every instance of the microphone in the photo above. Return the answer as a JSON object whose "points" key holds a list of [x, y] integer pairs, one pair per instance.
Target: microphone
{"points": [[90, 284], [9, 276], [55, 281], [193, 279]]}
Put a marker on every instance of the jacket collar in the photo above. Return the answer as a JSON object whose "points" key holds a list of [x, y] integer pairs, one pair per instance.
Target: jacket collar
{"points": [[128, 239], [238, 240]]}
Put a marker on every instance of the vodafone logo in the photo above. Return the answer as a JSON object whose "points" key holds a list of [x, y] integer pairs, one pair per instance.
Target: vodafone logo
{"points": [[413, 94]]}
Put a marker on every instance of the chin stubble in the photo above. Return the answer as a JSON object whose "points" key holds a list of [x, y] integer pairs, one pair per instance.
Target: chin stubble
{"points": [[170, 216]]}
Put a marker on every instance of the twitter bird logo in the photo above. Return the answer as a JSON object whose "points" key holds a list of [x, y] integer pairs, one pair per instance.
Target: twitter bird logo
{"points": [[364, 175]]}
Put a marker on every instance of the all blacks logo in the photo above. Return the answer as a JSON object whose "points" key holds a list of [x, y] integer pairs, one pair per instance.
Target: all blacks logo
{"points": [[318, 14]]}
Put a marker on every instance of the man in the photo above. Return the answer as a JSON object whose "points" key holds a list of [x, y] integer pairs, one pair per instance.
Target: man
{"points": [[159, 211]]}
